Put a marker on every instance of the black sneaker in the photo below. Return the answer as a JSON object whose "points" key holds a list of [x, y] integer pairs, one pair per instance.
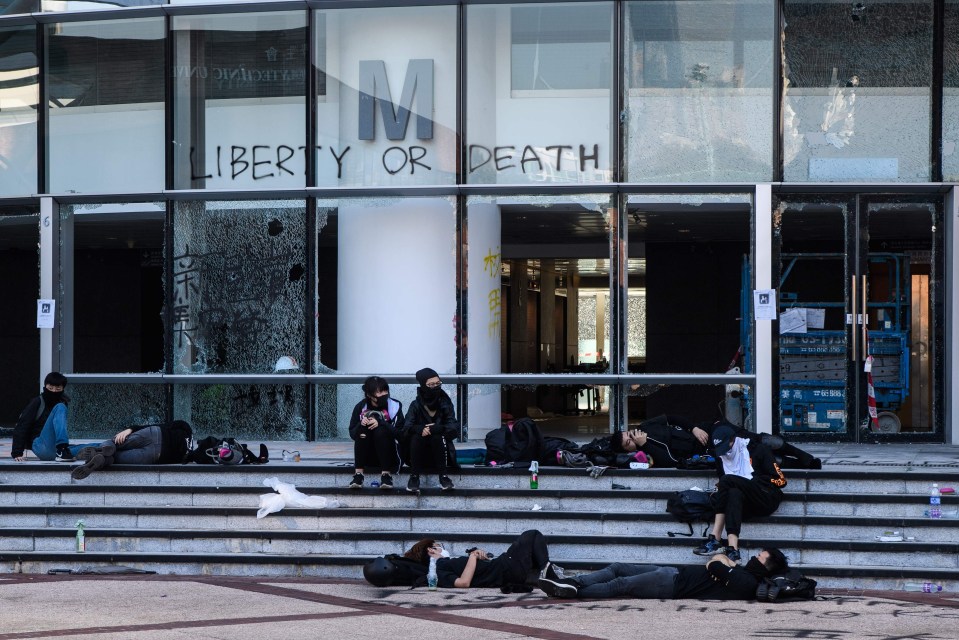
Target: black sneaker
{"points": [[413, 486], [445, 483], [732, 553], [357, 481], [556, 588], [63, 453], [386, 482], [711, 547], [106, 450], [553, 572]]}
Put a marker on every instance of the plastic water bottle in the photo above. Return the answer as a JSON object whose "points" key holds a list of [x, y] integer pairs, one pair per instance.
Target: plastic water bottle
{"points": [[935, 502], [534, 474], [431, 578], [922, 587], [81, 539]]}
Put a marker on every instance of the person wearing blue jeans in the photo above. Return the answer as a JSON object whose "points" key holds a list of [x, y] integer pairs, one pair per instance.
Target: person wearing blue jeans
{"points": [[719, 579], [42, 426]]}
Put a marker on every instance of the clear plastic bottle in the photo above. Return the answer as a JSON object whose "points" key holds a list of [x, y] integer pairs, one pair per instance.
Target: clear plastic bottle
{"points": [[431, 578], [81, 537], [922, 587], [935, 502]]}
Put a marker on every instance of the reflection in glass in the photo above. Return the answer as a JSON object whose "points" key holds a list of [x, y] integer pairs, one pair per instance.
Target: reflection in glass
{"points": [[857, 90], [387, 109], [950, 93], [19, 100], [105, 85], [700, 97], [522, 107], [239, 95]]}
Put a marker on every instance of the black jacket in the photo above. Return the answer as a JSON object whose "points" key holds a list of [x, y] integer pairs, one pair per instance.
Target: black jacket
{"points": [[30, 424], [394, 424], [444, 424], [715, 581]]}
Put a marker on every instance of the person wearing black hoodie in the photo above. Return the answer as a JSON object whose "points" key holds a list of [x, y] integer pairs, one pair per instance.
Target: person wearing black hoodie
{"points": [[719, 579], [42, 425], [428, 431]]}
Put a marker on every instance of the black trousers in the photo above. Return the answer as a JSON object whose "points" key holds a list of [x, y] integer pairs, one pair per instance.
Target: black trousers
{"points": [[376, 449], [739, 499], [528, 553], [428, 453]]}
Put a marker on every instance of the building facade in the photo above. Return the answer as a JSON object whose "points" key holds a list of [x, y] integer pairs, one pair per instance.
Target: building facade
{"points": [[233, 212]]}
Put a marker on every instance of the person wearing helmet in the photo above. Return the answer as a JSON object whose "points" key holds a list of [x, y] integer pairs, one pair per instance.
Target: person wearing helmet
{"points": [[429, 430], [373, 428]]}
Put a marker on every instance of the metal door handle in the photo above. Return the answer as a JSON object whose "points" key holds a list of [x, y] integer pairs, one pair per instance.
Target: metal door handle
{"points": [[852, 304]]}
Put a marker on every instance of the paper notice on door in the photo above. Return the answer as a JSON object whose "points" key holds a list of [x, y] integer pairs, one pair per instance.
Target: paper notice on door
{"points": [[793, 321], [45, 311], [815, 318]]}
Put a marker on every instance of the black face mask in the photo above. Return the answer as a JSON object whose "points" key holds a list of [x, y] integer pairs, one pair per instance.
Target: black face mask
{"points": [[430, 396], [381, 402], [52, 397], [757, 568]]}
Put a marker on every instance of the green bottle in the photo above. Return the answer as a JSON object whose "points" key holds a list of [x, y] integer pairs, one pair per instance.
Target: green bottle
{"points": [[534, 474]]}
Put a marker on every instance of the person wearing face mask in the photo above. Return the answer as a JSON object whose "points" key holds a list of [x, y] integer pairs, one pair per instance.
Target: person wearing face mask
{"points": [[42, 426], [429, 430], [373, 427], [750, 485], [514, 570], [719, 579]]}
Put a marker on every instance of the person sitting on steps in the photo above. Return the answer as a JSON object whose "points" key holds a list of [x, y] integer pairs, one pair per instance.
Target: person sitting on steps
{"points": [[373, 427], [42, 425], [429, 430]]}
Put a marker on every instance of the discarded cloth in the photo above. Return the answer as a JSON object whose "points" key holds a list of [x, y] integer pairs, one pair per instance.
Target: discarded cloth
{"points": [[287, 496]]}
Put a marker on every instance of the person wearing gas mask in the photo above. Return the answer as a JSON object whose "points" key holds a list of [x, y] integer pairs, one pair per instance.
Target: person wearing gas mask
{"points": [[429, 430], [373, 428], [42, 426]]}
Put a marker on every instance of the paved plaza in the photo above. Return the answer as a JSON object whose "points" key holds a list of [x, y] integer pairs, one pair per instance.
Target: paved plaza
{"points": [[201, 607]]}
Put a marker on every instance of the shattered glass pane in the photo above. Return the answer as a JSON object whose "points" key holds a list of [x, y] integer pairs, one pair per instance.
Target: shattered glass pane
{"points": [[255, 411], [699, 100], [636, 326], [239, 287], [850, 71], [99, 411]]}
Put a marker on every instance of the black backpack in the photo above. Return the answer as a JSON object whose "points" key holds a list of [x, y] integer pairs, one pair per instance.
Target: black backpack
{"points": [[792, 585], [522, 443], [408, 573], [690, 506]]}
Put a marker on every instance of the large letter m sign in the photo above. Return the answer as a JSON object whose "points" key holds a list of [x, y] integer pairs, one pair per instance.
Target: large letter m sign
{"points": [[374, 88]]}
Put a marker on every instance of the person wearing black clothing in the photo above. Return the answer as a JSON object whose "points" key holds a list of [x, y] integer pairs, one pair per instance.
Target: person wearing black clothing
{"points": [[373, 427], [428, 431], [750, 484], [517, 567], [138, 444], [719, 579], [42, 425]]}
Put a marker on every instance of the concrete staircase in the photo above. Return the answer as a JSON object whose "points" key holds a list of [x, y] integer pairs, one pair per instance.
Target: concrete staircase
{"points": [[202, 520]]}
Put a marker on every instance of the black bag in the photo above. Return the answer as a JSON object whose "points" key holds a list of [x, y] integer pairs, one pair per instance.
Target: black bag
{"points": [[690, 506], [207, 451], [408, 573], [789, 586], [522, 443]]}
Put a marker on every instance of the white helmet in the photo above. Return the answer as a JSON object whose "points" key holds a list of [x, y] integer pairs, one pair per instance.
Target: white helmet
{"points": [[286, 363]]}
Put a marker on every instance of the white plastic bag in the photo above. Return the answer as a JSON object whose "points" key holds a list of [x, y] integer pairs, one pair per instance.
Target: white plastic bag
{"points": [[287, 496]]}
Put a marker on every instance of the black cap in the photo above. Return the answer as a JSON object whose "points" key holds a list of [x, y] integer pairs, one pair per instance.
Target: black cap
{"points": [[425, 374], [379, 572], [722, 440]]}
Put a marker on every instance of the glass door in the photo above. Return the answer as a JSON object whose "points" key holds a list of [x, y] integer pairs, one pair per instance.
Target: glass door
{"points": [[859, 307]]}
